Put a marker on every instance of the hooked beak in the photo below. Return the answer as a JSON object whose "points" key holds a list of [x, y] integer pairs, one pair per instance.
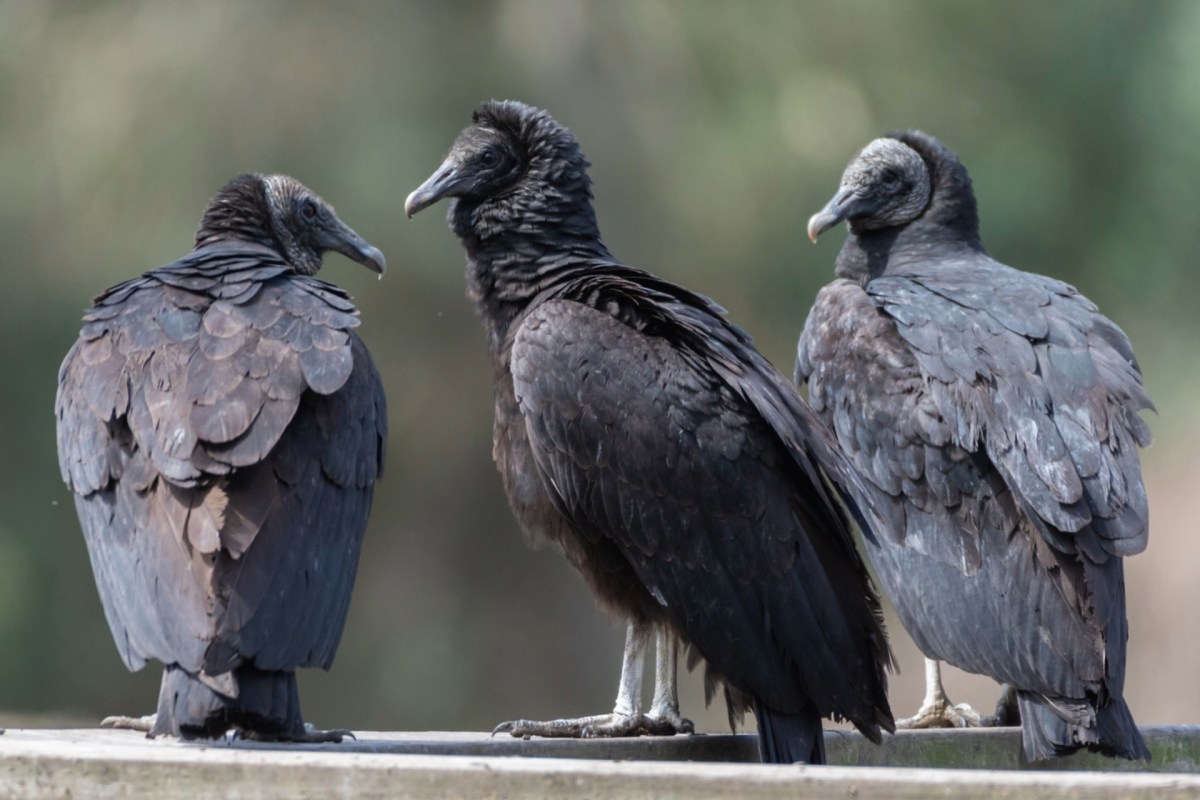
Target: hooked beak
{"points": [[341, 238], [441, 183], [835, 211]]}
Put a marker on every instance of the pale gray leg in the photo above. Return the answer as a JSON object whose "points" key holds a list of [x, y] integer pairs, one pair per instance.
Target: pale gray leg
{"points": [[936, 710], [665, 706], [626, 718]]}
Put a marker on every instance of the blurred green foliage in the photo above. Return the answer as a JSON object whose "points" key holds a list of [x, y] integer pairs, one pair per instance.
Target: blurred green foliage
{"points": [[714, 129]]}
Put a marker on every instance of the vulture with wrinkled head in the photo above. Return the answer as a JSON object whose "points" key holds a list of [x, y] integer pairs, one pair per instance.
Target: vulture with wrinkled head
{"points": [[994, 417], [222, 427], [676, 469]]}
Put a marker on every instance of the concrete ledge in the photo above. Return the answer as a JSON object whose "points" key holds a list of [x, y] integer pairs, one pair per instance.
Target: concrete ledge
{"points": [[120, 764], [1173, 749]]}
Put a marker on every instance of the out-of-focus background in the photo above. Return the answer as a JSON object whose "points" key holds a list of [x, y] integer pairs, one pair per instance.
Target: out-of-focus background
{"points": [[715, 129]]}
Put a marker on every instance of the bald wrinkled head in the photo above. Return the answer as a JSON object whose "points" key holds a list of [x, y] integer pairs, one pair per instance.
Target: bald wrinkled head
{"points": [[515, 168], [281, 213], [886, 185]]}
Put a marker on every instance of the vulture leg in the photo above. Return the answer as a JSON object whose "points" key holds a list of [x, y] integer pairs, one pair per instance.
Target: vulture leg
{"points": [[665, 706], [626, 718], [1007, 712], [936, 710], [123, 723]]}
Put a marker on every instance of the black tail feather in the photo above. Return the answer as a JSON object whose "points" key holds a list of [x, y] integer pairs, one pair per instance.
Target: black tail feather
{"points": [[1053, 727], [789, 738], [265, 704], [1116, 725]]}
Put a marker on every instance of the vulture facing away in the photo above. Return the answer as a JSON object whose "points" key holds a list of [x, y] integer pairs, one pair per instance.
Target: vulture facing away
{"points": [[674, 467], [222, 427], [994, 417]]}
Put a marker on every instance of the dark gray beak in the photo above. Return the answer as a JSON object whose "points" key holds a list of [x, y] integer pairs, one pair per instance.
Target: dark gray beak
{"points": [[341, 238], [835, 211], [441, 183]]}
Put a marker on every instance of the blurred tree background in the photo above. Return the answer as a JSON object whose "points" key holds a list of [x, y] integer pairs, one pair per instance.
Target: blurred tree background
{"points": [[715, 129]]}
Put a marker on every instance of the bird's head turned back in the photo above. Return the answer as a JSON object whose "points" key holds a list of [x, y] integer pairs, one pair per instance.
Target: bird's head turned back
{"points": [[904, 179], [279, 212], [513, 171]]}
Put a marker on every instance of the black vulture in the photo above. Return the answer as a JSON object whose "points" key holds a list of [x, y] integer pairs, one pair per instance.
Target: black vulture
{"points": [[222, 428], [675, 468], [994, 417]]}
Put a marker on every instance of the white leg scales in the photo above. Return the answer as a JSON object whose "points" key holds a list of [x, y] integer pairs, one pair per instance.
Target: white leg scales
{"points": [[626, 718], [936, 710], [665, 705]]}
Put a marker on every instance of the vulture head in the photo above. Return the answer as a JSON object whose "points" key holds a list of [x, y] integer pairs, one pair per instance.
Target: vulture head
{"points": [[903, 180], [513, 169], [886, 185], [283, 214]]}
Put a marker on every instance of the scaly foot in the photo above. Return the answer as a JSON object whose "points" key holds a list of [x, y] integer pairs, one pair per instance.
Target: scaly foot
{"points": [[942, 714], [936, 710], [143, 724], [669, 717], [595, 727]]}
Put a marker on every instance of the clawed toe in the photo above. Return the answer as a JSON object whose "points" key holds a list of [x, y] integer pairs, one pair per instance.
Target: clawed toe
{"points": [[333, 735], [942, 715], [669, 725], [309, 735], [601, 726], [554, 728], [119, 722], [621, 725]]}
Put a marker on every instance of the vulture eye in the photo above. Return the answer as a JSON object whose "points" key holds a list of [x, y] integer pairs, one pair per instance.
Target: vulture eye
{"points": [[309, 210], [890, 179], [489, 158]]}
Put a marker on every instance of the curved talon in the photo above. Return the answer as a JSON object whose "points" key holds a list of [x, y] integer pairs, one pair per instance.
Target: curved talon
{"points": [[316, 735], [942, 715], [671, 724], [527, 728], [618, 727], [963, 716], [601, 726], [937, 711]]}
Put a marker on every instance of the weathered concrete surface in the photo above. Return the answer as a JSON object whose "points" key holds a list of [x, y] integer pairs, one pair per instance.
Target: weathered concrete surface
{"points": [[120, 764], [1174, 749]]}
